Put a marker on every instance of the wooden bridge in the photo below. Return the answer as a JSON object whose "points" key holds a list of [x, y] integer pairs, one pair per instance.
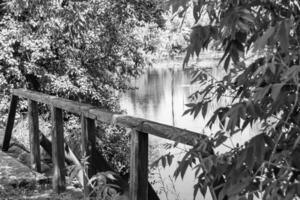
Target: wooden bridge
{"points": [[140, 129]]}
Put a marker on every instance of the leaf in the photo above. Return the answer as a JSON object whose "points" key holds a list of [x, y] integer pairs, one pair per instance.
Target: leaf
{"points": [[212, 120], [250, 158], [226, 52], [199, 39], [234, 189], [207, 164], [276, 88], [235, 114], [221, 140], [261, 42], [204, 109], [186, 112], [259, 147], [187, 57], [234, 53], [241, 159], [261, 92], [226, 63], [181, 169], [197, 109], [190, 105], [196, 189], [203, 189], [184, 168], [170, 158], [163, 161], [283, 35]]}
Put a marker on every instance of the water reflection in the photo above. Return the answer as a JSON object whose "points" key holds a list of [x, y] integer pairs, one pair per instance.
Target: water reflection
{"points": [[161, 95]]}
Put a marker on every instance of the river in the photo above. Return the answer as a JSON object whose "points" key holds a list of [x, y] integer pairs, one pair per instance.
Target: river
{"points": [[161, 94]]}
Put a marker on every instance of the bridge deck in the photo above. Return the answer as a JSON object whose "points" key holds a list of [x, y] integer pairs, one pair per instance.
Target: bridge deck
{"points": [[12, 172]]}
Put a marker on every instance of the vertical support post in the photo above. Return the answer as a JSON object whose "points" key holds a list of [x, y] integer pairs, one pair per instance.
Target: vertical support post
{"points": [[34, 139], [88, 147], [10, 122], [58, 156], [139, 166]]}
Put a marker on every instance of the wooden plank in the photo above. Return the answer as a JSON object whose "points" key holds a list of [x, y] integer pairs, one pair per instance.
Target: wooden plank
{"points": [[160, 130], [58, 156], [67, 105], [88, 148], [138, 166], [141, 125], [10, 122], [33, 123]]}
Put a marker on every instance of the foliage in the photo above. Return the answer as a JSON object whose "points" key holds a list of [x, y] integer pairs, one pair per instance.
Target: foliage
{"points": [[102, 188], [114, 146], [81, 50], [264, 90]]}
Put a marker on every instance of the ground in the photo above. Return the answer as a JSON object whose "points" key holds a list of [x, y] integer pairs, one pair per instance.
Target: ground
{"points": [[18, 181]]}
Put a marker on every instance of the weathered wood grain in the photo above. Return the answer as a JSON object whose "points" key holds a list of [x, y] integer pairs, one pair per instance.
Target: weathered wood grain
{"points": [[138, 166], [58, 156], [33, 123], [67, 105], [88, 148], [10, 122]]}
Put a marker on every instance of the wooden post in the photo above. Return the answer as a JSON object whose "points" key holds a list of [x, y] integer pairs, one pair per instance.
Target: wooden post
{"points": [[139, 166], [58, 156], [88, 148], [33, 122], [10, 122]]}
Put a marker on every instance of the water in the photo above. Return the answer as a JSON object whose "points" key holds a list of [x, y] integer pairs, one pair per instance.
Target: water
{"points": [[163, 92], [161, 96]]}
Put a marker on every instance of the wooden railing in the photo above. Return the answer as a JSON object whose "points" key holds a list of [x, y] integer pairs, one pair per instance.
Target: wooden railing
{"points": [[140, 129]]}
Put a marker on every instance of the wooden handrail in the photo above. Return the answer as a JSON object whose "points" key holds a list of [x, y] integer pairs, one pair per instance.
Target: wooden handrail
{"points": [[141, 125], [140, 129]]}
